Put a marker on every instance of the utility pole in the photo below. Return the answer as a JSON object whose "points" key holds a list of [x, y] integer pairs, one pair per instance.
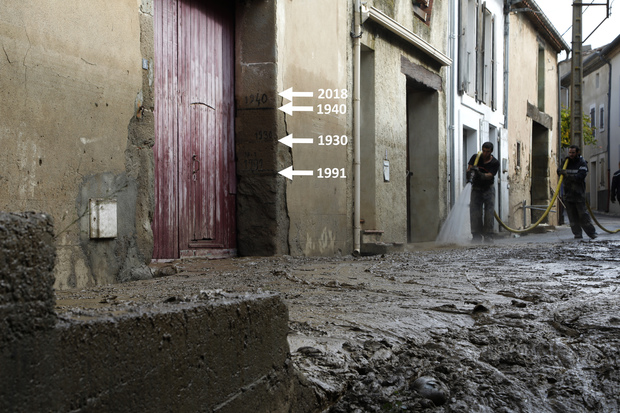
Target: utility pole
{"points": [[576, 126]]}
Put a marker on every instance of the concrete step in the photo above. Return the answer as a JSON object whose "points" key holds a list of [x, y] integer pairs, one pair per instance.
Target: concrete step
{"points": [[377, 248]]}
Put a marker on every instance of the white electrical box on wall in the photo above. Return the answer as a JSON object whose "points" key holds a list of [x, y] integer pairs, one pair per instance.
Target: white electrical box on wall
{"points": [[386, 171], [103, 218]]}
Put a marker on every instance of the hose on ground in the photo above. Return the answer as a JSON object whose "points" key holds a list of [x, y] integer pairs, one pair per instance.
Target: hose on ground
{"points": [[524, 230], [542, 217], [598, 223], [555, 196]]}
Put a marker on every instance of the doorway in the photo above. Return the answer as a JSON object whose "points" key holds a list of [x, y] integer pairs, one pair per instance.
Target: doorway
{"points": [[194, 132], [540, 187], [423, 155]]}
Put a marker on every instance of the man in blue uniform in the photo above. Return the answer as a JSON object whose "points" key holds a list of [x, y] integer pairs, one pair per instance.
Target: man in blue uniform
{"points": [[575, 193]]}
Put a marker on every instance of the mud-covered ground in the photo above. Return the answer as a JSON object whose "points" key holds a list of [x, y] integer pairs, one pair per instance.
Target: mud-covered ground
{"points": [[525, 325]]}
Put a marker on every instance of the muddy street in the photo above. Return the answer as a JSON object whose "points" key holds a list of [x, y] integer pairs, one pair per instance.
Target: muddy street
{"points": [[530, 324]]}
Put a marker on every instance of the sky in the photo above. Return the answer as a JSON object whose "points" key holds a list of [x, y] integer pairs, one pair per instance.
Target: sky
{"points": [[560, 13]]}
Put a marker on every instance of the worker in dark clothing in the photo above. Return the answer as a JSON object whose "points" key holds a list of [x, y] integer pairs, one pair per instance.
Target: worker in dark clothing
{"points": [[482, 203], [575, 194], [615, 185]]}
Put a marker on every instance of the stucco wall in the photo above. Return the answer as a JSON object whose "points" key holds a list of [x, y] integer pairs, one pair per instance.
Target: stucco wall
{"points": [[71, 86], [523, 88], [428, 184], [313, 54]]}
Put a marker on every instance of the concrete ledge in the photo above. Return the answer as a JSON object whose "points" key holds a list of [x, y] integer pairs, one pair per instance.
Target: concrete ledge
{"points": [[378, 248], [156, 350], [216, 357]]}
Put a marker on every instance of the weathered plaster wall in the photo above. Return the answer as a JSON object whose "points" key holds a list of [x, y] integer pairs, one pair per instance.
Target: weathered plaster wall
{"points": [[553, 110], [310, 59], [72, 84], [523, 88], [390, 138], [429, 188], [312, 215]]}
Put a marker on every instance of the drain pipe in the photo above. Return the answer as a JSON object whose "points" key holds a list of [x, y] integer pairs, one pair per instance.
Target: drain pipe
{"points": [[451, 124], [357, 54], [506, 59]]}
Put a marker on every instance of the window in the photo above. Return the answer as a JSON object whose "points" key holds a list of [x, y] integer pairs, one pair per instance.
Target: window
{"points": [[601, 118], [477, 59], [541, 77], [422, 9], [593, 120]]}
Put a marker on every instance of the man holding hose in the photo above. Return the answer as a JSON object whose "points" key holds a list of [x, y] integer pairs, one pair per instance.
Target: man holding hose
{"points": [[482, 204], [575, 193]]}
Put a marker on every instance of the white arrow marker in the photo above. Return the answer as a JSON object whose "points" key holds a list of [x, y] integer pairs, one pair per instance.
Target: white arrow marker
{"points": [[289, 108], [288, 94], [289, 140], [288, 172]]}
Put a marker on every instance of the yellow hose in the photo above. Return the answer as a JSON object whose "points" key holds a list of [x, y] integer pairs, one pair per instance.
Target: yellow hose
{"points": [[597, 223], [543, 216], [555, 196]]}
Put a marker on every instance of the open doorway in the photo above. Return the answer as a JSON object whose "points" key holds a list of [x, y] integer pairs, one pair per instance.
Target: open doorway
{"points": [[470, 147], [540, 189]]}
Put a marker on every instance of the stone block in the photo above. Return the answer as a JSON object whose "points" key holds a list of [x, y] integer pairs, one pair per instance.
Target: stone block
{"points": [[27, 256]]}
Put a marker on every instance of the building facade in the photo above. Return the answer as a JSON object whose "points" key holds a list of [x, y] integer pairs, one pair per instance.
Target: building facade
{"points": [[612, 55], [477, 92], [76, 132], [600, 98], [533, 113], [600, 102], [153, 131]]}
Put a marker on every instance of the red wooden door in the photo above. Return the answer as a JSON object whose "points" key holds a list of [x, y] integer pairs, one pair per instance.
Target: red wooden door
{"points": [[194, 134]]}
